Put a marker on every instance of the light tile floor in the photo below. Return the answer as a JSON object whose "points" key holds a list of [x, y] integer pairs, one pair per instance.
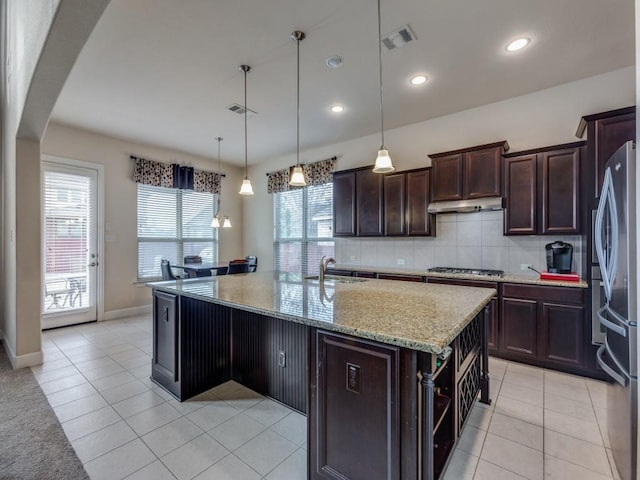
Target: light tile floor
{"points": [[541, 424]]}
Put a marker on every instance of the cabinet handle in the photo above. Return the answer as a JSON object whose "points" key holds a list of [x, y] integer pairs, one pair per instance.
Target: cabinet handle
{"points": [[166, 313]]}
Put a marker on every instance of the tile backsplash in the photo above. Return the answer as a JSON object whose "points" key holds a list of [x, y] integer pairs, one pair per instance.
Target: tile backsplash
{"points": [[470, 240]]}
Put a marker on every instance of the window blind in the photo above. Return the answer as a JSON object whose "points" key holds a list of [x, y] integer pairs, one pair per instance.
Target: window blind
{"points": [[171, 224], [303, 229]]}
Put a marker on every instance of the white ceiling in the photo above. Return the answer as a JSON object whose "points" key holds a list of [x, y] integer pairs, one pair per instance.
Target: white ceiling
{"points": [[164, 71]]}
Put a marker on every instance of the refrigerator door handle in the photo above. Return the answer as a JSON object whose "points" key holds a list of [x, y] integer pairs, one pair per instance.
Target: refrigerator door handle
{"points": [[607, 204], [608, 370], [609, 324]]}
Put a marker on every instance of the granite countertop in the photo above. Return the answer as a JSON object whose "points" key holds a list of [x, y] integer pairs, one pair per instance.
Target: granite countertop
{"points": [[524, 279], [420, 316]]}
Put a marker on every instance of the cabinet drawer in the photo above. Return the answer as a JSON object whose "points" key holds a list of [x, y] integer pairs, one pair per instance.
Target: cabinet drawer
{"points": [[406, 278], [463, 283], [562, 295]]}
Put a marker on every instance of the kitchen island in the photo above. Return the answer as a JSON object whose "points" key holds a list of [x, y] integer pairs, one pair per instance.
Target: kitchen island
{"points": [[386, 372]]}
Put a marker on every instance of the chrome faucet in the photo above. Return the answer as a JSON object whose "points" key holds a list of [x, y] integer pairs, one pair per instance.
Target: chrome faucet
{"points": [[324, 263]]}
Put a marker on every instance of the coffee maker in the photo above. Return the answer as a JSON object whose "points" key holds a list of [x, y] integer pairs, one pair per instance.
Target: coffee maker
{"points": [[559, 257]]}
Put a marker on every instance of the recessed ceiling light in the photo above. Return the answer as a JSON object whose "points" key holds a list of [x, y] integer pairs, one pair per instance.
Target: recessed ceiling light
{"points": [[518, 44], [337, 108], [334, 61], [418, 80]]}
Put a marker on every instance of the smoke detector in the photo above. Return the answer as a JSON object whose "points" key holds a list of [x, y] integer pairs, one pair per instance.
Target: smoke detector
{"points": [[399, 37], [334, 62], [239, 109]]}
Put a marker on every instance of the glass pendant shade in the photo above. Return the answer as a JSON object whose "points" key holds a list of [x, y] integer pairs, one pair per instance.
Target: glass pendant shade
{"points": [[246, 188], [297, 177], [227, 223], [383, 162], [215, 222]]}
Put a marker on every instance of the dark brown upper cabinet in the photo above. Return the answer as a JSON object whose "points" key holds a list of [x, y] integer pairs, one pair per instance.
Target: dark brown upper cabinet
{"points": [[369, 203], [419, 222], [344, 204], [395, 204], [606, 132], [406, 198], [474, 172], [542, 190]]}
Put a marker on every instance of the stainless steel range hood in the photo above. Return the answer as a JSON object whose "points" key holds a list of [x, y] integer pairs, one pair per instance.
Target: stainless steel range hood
{"points": [[466, 206]]}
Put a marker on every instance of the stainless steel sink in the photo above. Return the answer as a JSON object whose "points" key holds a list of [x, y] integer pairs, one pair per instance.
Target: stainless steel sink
{"points": [[336, 279]]}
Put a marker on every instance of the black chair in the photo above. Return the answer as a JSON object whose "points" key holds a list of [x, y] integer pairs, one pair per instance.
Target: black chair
{"points": [[216, 272], [238, 266], [253, 262], [192, 259], [167, 273]]}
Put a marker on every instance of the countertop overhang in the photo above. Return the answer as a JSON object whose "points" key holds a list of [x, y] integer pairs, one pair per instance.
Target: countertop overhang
{"points": [[419, 316]]}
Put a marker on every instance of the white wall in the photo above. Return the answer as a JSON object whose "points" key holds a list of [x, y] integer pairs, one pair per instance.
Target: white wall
{"points": [[24, 30], [120, 260], [543, 118]]}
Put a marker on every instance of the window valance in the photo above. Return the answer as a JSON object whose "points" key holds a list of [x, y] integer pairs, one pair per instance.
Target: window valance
{"points": [[316, 173], [173, 175]]}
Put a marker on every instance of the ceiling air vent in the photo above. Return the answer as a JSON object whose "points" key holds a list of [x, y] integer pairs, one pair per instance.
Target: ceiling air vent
{"points": [[399, 37], [239, 109]]}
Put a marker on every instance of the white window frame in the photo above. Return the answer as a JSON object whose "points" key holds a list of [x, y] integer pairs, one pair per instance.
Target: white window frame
{"points": [[178, 239], [305, 240]]}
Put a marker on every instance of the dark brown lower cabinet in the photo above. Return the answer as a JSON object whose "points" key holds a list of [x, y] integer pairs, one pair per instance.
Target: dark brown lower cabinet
{"points": [[544, 325], [357, 400]]}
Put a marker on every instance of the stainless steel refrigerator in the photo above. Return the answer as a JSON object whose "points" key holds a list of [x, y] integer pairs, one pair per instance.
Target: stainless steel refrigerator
{"points": [[615, 236]]}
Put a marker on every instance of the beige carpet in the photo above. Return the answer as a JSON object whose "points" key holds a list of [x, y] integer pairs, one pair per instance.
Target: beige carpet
{"points": [[32, 442]]}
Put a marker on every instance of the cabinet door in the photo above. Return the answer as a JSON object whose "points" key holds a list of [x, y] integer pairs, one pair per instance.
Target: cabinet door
{"points": [[520, 328], [563, 334], [447, 178], [369, 203], [165, 363], [483, 173], [611, 133], [344, 204], [355, 383], [394, 204], [560, 207], [520, 216], [419, 222]]}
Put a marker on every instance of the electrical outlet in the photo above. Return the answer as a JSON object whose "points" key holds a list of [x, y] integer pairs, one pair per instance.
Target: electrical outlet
{"points": [[401, 261], [282, 358], [525, 266]]}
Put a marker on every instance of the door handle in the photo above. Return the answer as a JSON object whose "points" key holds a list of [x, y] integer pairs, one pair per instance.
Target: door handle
{"points": [[609, 324], [610, 371], [93, 264]]}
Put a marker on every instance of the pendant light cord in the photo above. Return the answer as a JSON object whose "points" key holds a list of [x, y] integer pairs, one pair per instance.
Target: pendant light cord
{"points": [[298, 110], [219, 139], [380, 66], [245, 123]]}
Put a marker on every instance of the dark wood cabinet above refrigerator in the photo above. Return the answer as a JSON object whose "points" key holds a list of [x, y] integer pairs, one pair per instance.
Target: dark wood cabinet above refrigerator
{"points": [[606, 132]]}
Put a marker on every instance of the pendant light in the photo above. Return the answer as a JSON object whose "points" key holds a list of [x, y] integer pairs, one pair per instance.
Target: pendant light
{"points": [[226, 223], [383, 161], [215, 222], [246, 188], [297, 177]]}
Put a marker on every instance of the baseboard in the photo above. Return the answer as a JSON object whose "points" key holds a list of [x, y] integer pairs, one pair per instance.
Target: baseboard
{"points": [[22, 361], [127, 312]]}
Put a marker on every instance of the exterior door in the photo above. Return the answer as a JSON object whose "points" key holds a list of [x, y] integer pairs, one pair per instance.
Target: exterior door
{"points": [[70, 259]]}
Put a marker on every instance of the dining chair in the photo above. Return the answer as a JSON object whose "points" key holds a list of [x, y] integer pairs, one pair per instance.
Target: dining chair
{"points": [[167, 273], [216, 272], [253, 262], [238, 266], [192, 259]]}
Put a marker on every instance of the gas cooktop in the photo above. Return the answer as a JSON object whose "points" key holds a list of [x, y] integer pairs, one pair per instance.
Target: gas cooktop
{"points": [[467, 271]]}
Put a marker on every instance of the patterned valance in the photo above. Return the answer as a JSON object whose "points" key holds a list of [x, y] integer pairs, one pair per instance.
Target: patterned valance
{"points": [[317, 173], [172, 175], [153, 173]]}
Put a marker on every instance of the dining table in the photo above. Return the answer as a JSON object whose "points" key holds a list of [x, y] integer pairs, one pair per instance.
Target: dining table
{"points": [[202, 269]]}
